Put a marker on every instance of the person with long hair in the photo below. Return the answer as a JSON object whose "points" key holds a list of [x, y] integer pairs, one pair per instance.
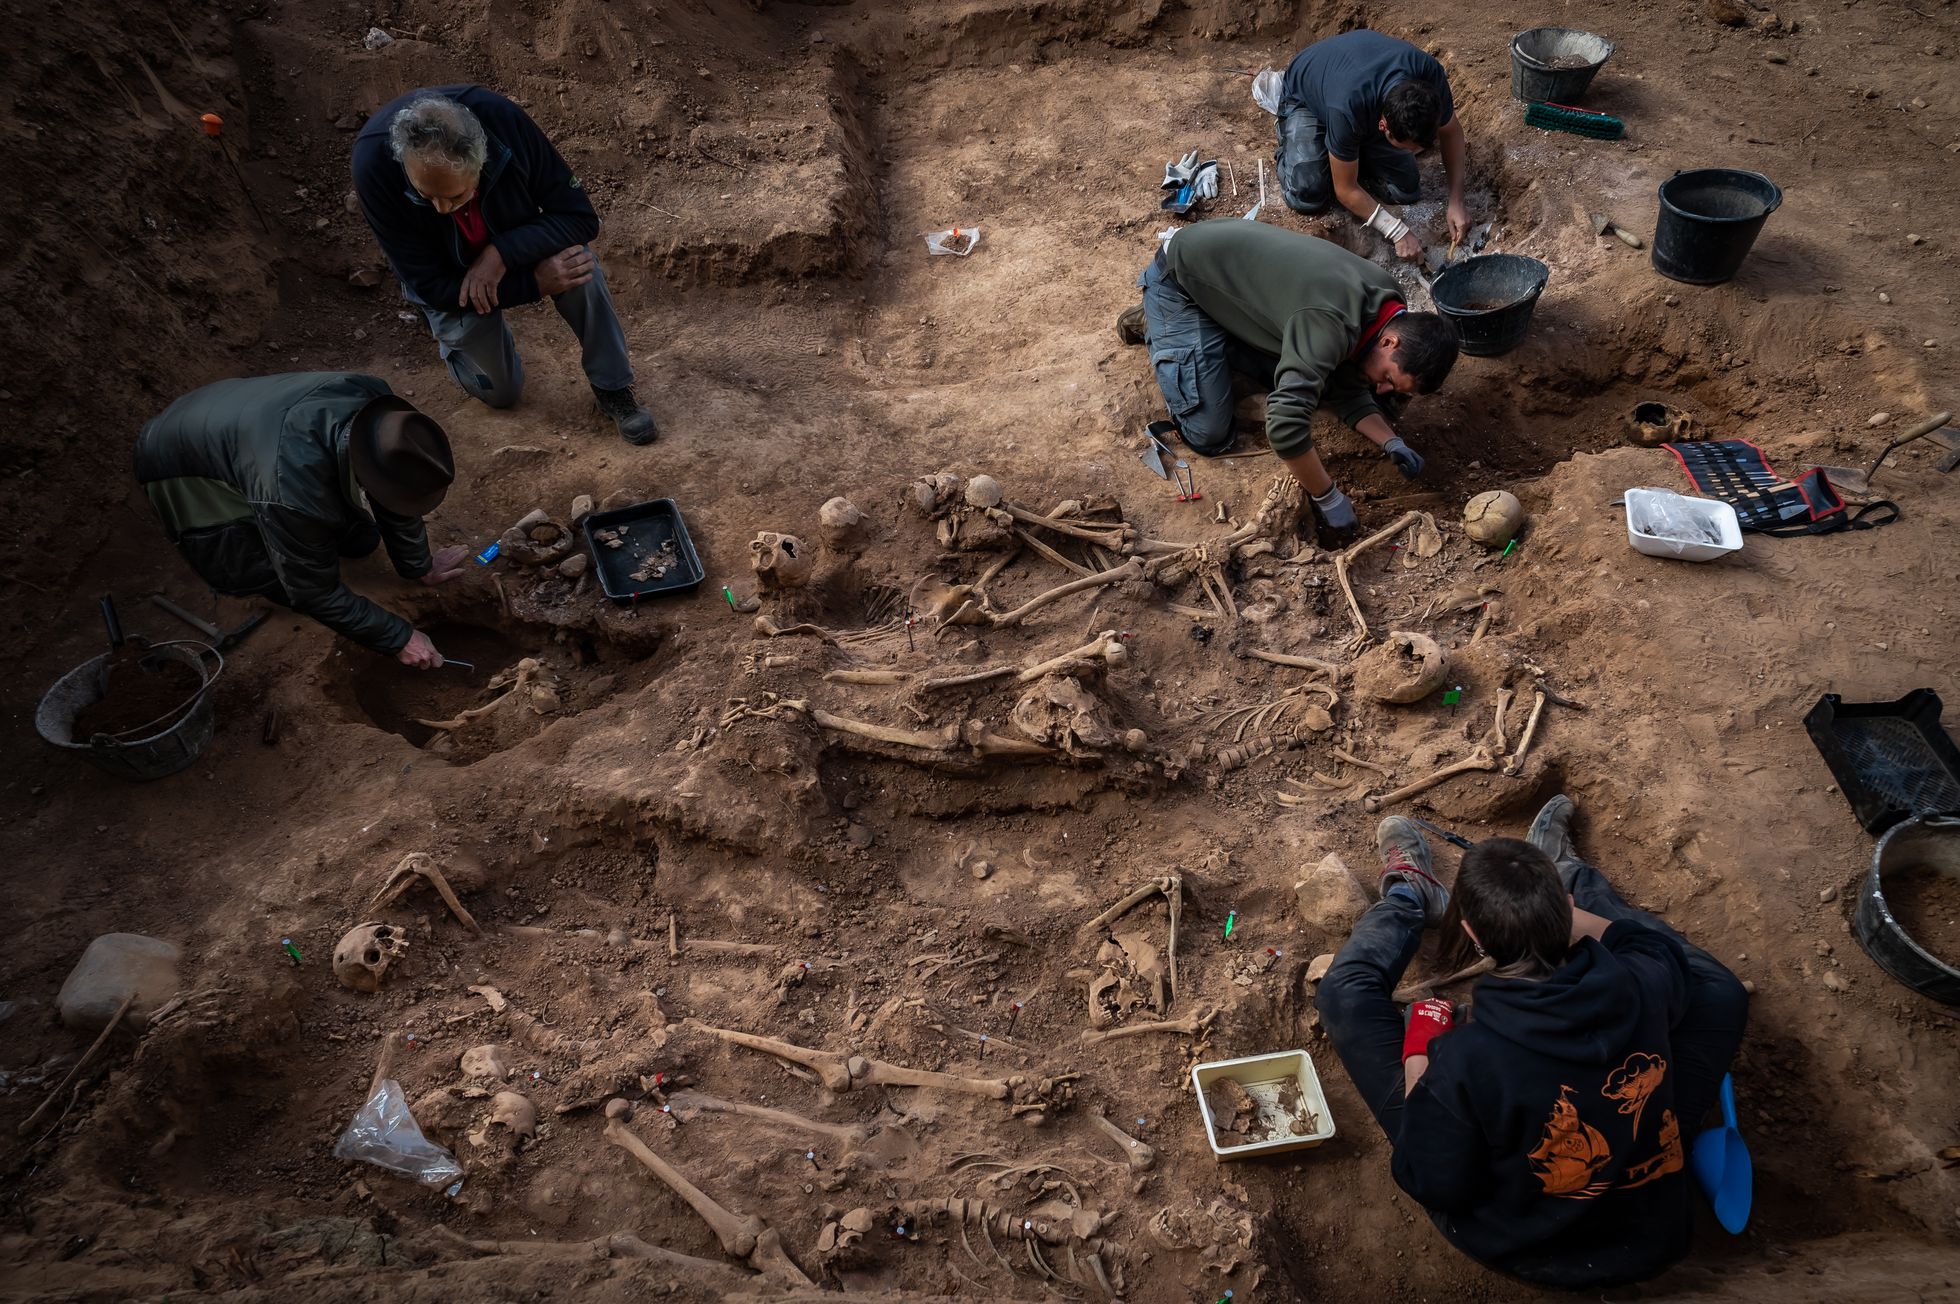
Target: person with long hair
{"points": [[1545, 1130]]}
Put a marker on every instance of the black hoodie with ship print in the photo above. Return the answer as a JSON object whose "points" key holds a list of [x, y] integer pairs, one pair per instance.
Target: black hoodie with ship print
{"points": [[1543, 1138]]}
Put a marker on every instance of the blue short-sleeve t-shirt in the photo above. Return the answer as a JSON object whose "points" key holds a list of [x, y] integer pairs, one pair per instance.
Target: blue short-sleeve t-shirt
{"points": [[1343, 80]]}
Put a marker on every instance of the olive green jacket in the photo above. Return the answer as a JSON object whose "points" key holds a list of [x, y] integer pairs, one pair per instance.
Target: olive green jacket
{"points": [[251, 480], [1304, 299]]}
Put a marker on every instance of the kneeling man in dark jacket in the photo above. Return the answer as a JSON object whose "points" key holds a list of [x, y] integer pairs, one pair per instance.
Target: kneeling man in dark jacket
{"points": [[477, 213], [1547, 1133], [265, 484]]}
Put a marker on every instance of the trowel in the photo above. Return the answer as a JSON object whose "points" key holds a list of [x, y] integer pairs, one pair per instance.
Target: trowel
{"points": [[1857, 481], [1434, 260], [1603, 225]]}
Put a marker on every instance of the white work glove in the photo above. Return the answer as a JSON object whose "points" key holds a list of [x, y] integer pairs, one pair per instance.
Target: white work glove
{"points": [[1391, 226], [1204, 183]]}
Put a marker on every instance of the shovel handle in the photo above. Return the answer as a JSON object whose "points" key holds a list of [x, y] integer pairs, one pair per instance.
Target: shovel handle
{"points": [[111, 621]]}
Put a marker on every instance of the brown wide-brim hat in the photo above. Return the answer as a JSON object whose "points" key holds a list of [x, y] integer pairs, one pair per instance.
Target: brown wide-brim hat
{"points": [[400, 456]]}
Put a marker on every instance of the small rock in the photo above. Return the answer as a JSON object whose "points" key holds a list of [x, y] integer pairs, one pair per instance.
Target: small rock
{"points": [[1914, 238], [1776, 58], [574, 566], [1834, 982], [1748, 986], [619, 498], [581, 506], [348, 122], [1878, 418], [703, 73], [1329, 897], [1930, 344], [1828, 895], [1883, 297], [359, 334], [980, 868], [1918, 103], [1727, 12], [1822, 947], [1317, 967], [1672, 301], [115, 966], [858, 836], [376, 38]]}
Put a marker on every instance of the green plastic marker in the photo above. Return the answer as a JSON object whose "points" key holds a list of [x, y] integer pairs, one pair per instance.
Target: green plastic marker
{"points": [[729, 595], [291, 950], [1231, 920], [1507, 550], [1452, 696]]}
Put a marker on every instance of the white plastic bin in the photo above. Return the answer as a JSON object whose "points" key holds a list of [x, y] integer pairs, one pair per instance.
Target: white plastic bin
{"points": [[1255, 1072], [1662, 523]]}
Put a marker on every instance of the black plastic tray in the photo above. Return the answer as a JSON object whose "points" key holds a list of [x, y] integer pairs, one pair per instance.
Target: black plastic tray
{"points": [[1891, 759], [644, 526]]}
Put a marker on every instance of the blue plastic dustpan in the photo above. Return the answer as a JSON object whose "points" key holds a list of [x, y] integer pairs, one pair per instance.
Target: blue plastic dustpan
{"points": [[1721, 1164]]}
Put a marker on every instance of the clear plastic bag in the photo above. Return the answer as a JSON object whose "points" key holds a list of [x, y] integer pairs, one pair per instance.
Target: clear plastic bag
{"points": [[1675, 525], [1266, 89], [384, 1133], [959, 241]]}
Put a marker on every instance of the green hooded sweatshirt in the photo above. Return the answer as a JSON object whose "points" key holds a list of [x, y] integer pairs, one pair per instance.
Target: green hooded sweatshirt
{"points": [[251, 480], [1307, 300]]}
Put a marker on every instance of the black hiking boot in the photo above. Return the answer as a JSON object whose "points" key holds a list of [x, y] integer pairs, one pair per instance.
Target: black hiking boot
{"points": [[1130, 326], [634, 423], [1405, 859]]}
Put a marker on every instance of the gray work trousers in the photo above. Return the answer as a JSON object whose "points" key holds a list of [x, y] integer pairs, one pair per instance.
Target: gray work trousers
{"points": [[482, 356]]}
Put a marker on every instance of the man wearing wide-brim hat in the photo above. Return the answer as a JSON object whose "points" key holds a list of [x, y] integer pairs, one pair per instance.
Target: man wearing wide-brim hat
{"points": [[265, 484]]}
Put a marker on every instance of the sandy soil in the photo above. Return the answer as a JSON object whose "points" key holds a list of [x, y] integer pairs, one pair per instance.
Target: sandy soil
{"points": [[657, 840]]}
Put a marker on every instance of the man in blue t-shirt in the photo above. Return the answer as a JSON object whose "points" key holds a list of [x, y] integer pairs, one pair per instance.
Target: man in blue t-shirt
{"points": [[1354, 111]]}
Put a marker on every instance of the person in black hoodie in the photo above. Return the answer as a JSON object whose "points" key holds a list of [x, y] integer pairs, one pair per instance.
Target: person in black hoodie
{"points": [[477, 212], [1546, 1134]]}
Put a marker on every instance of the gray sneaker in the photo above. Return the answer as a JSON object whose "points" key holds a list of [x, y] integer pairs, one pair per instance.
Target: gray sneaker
{"points": [[1405, 859], [1551, 833]]}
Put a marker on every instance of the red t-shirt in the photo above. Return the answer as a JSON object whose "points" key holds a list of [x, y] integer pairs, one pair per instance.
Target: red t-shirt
{"points": [[476, 232]]}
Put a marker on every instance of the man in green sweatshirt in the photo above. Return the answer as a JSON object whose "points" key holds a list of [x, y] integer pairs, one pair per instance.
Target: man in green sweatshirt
{"points": [[1315, 323], [265, 484]]}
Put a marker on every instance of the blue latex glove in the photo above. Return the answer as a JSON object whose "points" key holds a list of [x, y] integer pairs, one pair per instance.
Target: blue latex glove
{"points": [[1335, 509], [1406, 459]]}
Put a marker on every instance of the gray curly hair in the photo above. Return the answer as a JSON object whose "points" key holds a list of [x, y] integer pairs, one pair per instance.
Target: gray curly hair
{"points": [[436, 129]]}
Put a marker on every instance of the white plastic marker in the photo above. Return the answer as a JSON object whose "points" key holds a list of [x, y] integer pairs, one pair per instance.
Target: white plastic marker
{"points": [[1252, 214]]}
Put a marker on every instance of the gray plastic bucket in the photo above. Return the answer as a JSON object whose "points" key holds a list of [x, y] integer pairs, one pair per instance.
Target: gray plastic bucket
{"points": [[163, 746], [1533, 78]]}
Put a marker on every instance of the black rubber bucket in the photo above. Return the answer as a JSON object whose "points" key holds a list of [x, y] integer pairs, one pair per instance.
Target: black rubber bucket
{"points": [[1490, 298], [1926, 844], [1709, 221], [1555, 64]]}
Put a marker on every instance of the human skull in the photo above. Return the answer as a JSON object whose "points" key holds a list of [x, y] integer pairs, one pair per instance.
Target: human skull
{"points": [[515, 1112], [780, 561], [983, 491], [1403, 668], [486, 1062], [1493, 517], [840, 522], [361, 958], [934, 494]]}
